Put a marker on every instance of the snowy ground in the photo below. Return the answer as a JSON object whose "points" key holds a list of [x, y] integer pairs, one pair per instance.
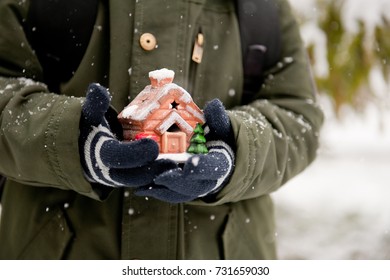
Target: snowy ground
{"points": [[339, 208]]}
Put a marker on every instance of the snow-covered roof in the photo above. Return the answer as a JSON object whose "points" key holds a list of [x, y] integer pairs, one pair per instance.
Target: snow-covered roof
{"points": [[148, 100], [172, 118]]}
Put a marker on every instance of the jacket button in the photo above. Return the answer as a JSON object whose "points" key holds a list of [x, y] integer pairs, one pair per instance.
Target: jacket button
{"points": [[148, 41]]}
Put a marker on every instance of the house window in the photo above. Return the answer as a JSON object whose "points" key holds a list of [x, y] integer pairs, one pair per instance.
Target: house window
{"points": [[174, 128], [174, 105]]}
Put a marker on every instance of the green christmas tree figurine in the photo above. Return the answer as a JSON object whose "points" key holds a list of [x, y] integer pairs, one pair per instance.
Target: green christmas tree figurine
{"points": [[198, 141]]}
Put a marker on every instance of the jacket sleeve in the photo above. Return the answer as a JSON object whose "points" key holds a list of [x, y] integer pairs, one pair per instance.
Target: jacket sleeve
{"points": [[39, 129], [277, 134]]}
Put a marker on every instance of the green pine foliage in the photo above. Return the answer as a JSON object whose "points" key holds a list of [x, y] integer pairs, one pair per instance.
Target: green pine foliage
{"points": [[350, 56], [198, 141], [382, 47], [349, 62]]}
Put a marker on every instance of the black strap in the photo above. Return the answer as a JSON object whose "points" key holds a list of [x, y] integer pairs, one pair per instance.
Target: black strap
{"points": [[2, 183], [260, 41], [59, 32]]}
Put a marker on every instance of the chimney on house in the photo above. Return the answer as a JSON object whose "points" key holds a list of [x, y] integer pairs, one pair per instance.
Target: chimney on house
{"points": [[161, 77]]}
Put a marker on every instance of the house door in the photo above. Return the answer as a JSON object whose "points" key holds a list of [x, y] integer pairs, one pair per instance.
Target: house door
{"points": [[174, 142]]}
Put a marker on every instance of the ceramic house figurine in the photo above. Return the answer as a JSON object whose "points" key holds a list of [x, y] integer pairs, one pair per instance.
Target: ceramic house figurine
{"points": [[164, 112]]}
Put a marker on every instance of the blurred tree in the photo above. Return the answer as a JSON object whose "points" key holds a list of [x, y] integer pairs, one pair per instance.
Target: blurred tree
{"points": [[382, 39], [351, 56]]}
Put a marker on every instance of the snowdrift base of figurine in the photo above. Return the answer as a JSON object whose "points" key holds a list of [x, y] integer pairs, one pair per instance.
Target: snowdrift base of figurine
{"points": [[179, 158]]}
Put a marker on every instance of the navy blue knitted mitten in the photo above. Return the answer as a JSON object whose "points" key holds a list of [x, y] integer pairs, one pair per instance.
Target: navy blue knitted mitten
{"points": [[105, 159]]}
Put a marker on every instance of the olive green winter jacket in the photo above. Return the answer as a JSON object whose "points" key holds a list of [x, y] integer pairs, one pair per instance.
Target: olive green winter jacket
{"points": [[50, 211]]}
